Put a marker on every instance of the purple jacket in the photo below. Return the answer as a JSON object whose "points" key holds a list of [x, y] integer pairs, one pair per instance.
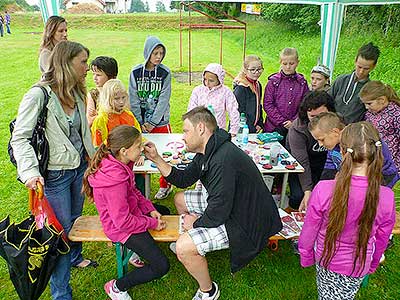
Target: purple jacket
{"points": [[311, 241], [282, 98], [123, 209]]}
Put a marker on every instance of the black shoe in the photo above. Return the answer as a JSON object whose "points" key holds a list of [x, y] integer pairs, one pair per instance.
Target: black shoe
{"points": [[295, 246]]}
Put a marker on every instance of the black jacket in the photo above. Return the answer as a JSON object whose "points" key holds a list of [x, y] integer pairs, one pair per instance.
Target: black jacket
{"points": [[248, 104], [237, 197]]}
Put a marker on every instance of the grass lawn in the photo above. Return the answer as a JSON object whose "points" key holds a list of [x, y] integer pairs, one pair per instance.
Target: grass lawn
{"points": [[272, 275]]}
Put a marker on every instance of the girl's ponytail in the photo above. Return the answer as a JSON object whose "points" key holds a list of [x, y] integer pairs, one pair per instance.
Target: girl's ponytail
{"points": [[338, 209], [94, 165]]}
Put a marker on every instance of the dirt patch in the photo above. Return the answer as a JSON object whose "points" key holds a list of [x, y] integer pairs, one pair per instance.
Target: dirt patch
{"points": [[85, 8], [183, 77]]}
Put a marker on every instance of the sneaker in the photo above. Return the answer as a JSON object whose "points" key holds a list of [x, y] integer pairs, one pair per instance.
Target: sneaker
{"points": [[109, 289], [172, 247], [136, 261], [295, 246], [163, 193], [390, 243], [383, 258], [206, 296]]}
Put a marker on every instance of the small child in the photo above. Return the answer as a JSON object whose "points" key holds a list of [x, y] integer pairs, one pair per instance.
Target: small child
{"points": [[349, 219], [326, 128], [126, 215], [214, 93], [320, 78], [104, 68], [113, 111], [149, 94], [283, 94], [383, 105], [247, 89]]}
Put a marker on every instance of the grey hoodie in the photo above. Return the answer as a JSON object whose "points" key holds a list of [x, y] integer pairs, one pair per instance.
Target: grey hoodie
{"points": [[150, 91]]}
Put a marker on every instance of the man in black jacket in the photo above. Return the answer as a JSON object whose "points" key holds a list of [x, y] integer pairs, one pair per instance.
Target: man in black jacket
{"points": [[236, 212]]}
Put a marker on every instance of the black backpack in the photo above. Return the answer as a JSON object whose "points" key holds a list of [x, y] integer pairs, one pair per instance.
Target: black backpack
{"points": [[38, 141]]}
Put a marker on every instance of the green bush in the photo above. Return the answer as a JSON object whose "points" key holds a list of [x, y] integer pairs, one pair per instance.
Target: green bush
{"points": [[303, 18]]}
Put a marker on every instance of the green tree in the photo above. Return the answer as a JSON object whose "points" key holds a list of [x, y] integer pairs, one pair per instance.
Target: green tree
{"points": [[137, 6], [160, 7]]}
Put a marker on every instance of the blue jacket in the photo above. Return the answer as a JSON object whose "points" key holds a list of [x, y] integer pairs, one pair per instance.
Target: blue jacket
{"points": [[334, 160]]}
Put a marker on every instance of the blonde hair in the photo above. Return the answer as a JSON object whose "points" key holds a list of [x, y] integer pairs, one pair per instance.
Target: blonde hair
{"points": [[289, 52], [107, 95], [372, 90], [241, 77], [61, 75], [325, 122]]}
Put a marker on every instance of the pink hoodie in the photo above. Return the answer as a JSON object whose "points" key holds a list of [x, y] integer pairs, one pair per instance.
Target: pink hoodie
{"points": [[312, 237], [123, 209], [221, 98]]}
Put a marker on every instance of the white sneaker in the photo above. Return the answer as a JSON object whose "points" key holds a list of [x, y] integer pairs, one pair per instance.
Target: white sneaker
{"points": [[109, 289], [383, 258], [163, 193], [172, 247], [206, 296]]}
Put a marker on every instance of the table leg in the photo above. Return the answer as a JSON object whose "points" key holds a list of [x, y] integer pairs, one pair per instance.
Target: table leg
{"points": [[284, 201], [147, 185]]}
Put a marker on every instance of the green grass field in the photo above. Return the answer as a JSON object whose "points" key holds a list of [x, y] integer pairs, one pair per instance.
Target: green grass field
{"points": [[272, 275]]}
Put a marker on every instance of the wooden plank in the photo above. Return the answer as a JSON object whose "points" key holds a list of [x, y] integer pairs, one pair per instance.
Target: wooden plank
{"points": [[89, 229]]}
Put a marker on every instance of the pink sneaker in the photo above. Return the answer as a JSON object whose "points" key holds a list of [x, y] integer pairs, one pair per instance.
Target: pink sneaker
{"points": [[109, 289], [136, 261]]}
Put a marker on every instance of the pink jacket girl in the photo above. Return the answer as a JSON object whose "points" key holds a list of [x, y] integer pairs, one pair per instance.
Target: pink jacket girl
{"points": [[214, 93]]}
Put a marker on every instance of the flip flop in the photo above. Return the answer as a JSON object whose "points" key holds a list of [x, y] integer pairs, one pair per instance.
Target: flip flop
{"points": [[91, 263]]}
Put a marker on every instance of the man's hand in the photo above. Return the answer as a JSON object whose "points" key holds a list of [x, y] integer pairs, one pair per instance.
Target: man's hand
{"points": [[150, 151], [259, 129], [188, 221]]}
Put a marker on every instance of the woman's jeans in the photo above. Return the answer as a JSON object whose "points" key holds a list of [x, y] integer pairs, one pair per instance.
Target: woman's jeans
{"points": [[63, 191]]}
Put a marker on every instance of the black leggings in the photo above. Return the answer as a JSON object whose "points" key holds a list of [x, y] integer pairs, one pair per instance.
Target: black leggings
{"points": [[156, 266]]}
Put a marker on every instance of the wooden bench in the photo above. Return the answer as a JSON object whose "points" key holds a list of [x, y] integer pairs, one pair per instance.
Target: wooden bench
{"points": [[89, 229]]}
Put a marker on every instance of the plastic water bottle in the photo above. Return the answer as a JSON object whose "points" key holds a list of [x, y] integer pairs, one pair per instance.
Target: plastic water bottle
{"points": [[242, 122], [211, 108], [245, 136]]}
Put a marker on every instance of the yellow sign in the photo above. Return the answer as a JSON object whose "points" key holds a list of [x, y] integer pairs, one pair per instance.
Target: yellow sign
{"points": [[253, 9]]}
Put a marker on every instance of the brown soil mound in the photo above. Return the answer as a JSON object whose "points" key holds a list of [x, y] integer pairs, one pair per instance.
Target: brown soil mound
{"points": [[85, 8]]}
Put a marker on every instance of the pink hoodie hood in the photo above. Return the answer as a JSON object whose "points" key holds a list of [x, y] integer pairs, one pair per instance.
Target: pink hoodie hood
{"points": [[217, 70]]}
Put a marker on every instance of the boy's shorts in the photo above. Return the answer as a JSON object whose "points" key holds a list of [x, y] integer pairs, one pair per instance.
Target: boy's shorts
{"points": [[205, 239]]}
